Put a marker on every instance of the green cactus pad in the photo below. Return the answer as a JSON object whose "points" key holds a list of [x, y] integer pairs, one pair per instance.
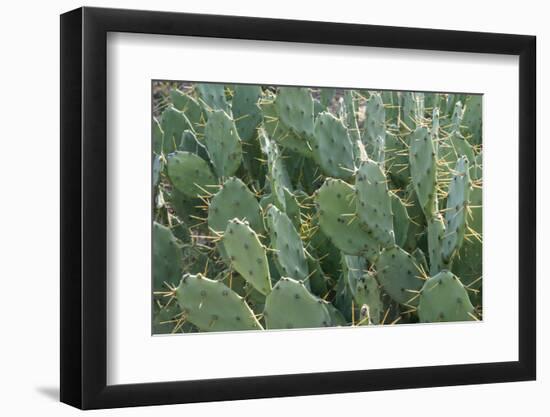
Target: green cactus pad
{"points": [[291, 306], [191, 107], [373, 203], [294, 107], [174, 122], [458, 199], [190, 174], [332, 147], [280, 133], [452, 148], [167, 257], [468, 265], [289, 250], [375, 128], [338, 220], [399, 275], [246, 112], [401, 220], [436, 234], [223, 143], [212, 97], [277, 173], [397, 160], [472, 118], [353, 269], [234, 200], [248, 255], [367, 294], [423, 166], [351, 116], [412, 109], [444, 298], [212, 306]]}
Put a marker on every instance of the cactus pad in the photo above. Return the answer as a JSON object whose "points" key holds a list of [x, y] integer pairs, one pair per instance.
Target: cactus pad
{"points": [[280, 133], [332, 147], [373, 203], [212, 306], [190, 174], [289, 250], [399, 275], [436, 234], [246, 112], [234, 200], [423, 165], [375, 128], [191, 107], [291, 306], [223, 143], [248, 255], [444, 298], [456, 213], [294, 107], [338, 220], [167, 257], [401, 220], [367, 294], [212, 97], [174, 122]]}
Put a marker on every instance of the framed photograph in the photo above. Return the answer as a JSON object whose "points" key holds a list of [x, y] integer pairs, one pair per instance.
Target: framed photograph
{"points": [[256, 208]]}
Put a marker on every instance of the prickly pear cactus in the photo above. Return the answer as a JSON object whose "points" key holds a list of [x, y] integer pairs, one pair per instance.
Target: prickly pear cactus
{"points": [[167, 257], [423, 165], [444, 298], [174, 123], [456, 213], [212, 306], [294, 107], [223, 143], [400, 275], [374, 204], [234, 201], [368, 297], [291, 306], [248, 255], [190, 174], [338, 220], [296, 207], [285, 241], [332, 147]]}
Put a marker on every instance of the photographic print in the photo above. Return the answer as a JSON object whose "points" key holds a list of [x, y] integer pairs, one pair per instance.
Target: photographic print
{"points": [[292, 207]]}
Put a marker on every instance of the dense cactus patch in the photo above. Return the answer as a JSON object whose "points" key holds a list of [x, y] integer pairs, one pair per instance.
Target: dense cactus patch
{"points": [[295, 207]]}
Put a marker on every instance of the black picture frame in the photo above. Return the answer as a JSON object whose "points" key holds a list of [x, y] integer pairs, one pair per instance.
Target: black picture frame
{"points": [[84, 207]]}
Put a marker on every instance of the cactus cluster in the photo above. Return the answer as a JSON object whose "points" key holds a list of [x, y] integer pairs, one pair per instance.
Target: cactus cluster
{"points": [[293, 207]]}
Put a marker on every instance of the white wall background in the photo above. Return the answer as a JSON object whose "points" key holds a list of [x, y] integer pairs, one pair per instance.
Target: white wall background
{"points": [[29, 237]]}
